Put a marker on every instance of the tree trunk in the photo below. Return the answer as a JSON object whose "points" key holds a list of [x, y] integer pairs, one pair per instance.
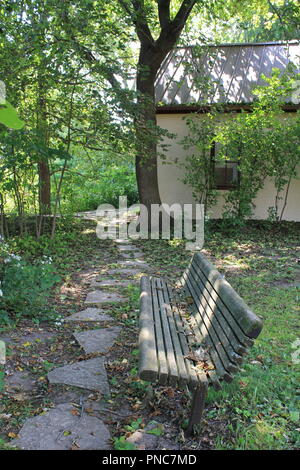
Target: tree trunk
{"points": [[145, 126], [45, 187], [150, 60], [43, 165], [152, 54]]}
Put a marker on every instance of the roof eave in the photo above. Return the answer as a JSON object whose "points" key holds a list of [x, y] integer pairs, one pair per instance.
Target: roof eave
{"points": [[224, 107]]}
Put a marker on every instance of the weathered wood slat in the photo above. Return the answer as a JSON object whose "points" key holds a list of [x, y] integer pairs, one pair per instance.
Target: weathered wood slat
{"points": [[202, 335], [172, 365], [148, 363], [208, 334], [221, 343], [179, 321], [184, 376], [228, 322], [220, 373], [160, 344], [227, 337], [190, 339], [250, 323], [215, 302]]}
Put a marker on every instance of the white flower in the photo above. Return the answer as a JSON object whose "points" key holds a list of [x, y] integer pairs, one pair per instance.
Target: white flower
{"points": [[12, 257], [1, 293]]}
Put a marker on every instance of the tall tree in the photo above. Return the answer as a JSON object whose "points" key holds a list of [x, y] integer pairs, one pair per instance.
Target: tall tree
{"points": [[151, 55]]}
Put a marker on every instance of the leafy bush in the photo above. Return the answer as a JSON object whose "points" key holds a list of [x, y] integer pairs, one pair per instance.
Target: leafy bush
{"points": [[24, 286], [87, 194]]}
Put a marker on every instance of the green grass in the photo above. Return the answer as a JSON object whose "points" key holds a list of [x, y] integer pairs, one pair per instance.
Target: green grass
{"points": [[260, 408]]}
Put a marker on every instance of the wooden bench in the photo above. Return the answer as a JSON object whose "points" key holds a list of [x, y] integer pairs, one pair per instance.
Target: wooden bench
{"points": [[194, 335]]}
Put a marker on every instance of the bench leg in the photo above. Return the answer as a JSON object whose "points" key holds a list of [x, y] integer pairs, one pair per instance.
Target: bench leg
{"points": [[197, 407]]}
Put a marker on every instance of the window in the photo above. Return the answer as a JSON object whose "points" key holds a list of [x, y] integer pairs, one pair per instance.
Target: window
{"points": [[226, 172]]}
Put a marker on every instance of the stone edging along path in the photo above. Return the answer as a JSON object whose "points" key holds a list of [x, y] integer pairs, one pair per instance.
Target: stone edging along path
{"points": [[60, 428]]}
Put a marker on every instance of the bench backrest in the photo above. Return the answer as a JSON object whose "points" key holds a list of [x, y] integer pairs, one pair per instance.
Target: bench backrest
{"points": [[220, 316]]}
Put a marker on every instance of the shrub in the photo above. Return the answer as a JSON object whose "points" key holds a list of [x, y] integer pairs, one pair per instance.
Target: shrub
{"points": [[88, 194], [24, 286]]}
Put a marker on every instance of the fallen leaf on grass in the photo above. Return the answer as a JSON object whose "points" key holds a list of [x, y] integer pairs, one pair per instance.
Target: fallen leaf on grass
{"points": [[170, 392], [155, 413], [204, 366], [19, 397], [89, 410], [243, 384], [189, 300]]}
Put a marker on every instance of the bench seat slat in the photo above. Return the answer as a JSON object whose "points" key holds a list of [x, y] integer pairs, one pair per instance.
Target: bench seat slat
{"points": [[148, 363], [224, 315], [183, 373], [212, 375], [185, 333], [153, 361], [215, 302], [194, 378], [160, 345], [227, 336], [217, 352], [173, 372], [249, 323], [219, 339]]}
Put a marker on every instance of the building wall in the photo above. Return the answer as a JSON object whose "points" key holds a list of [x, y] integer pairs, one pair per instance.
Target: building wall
{"points": [[172, 189]]}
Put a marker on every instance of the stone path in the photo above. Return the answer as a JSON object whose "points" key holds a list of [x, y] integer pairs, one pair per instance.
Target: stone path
{"points": [[63, 427]]}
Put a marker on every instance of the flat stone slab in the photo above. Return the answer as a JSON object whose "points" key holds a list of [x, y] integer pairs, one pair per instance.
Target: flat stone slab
{"points": [[97, 340], [90, 314], [131, 255], [122, 241], [137, 263], [61, 429], [127, 248], [19, 381], [100, 297], [124, 271], [90, 374], [35, 337], [112, 283]]}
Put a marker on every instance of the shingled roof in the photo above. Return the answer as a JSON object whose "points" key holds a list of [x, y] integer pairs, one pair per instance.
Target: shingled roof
{"points": [[232, 70]]}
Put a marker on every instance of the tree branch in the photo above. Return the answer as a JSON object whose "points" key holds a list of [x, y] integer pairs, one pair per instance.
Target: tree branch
{"points": [[138, 17], [182, 15], [141, 25], [164, 13], [171, 31], [87, 54]]}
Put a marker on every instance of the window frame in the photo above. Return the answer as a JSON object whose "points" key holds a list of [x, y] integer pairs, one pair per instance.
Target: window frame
{"points": [[213, 160]]}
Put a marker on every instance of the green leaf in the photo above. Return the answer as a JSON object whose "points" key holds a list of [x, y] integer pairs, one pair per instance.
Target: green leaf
{"points": [[9, 117], [155, 431], [294, 415], [121, 444]]}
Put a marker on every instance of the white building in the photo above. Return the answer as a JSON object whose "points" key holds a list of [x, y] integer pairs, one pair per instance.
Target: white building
{"points": [[232, 71]]}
